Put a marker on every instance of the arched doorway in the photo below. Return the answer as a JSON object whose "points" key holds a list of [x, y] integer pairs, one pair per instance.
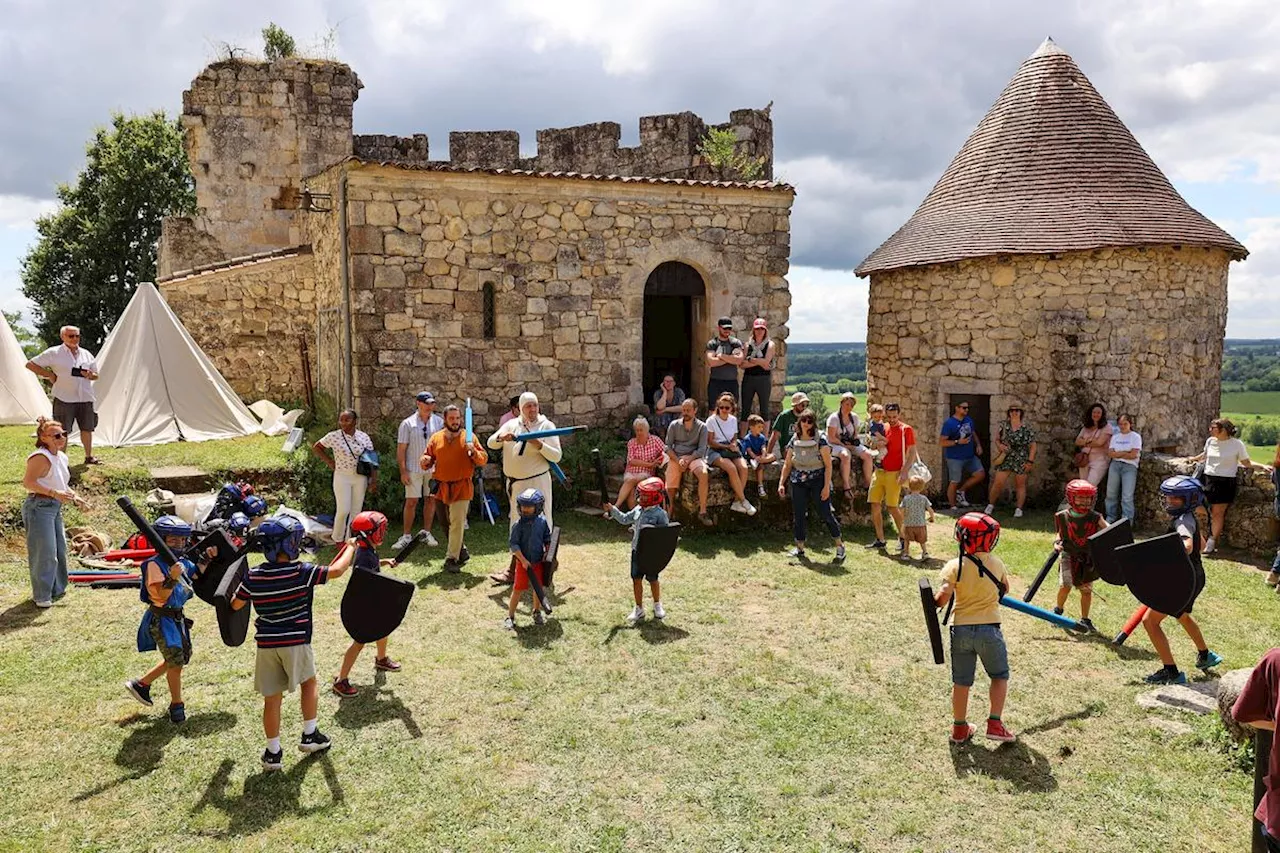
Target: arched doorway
{"points": [[673, 296]]}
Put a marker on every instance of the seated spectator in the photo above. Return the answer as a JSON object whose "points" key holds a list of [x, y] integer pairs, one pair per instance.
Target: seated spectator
{"points": [[667, 401], [645, 455], [754, 445], [725, 450], [842, 435], [513, 410]]}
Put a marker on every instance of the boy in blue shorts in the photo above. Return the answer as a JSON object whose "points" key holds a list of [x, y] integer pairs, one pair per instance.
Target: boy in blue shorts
{"points": [[755, 448], [651, 494], [281, 591], [976, 580]]}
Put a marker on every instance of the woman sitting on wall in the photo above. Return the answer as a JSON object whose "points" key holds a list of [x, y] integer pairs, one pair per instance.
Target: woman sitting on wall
{"points": [[725, 451], [842, 435], [1015, 456], [1091, 445], [645, 455]]}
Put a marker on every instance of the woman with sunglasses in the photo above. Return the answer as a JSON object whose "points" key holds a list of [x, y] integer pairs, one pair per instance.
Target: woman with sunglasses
{"points": [[48, 484], [807, 467], [725, 452], [1016, 443]]}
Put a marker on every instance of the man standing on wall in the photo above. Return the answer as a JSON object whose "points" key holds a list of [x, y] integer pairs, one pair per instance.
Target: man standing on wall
{"points": [[411, 442], [961, 448], [72, 370], [900, 454], [724, 355], [454, 462]]}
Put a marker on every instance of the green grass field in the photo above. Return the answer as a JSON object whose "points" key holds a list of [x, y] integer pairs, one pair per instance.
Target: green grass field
{"points": [[1246, 407], [782, 706]]}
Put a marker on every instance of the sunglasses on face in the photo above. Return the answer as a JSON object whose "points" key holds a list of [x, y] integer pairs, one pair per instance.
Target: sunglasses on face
{"points": [[58, 435], [73, 336], [724, 408]]}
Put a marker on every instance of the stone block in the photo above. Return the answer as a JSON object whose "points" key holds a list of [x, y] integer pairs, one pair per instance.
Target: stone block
{"points": [[388, 276], [381, 213], [403, 245]]}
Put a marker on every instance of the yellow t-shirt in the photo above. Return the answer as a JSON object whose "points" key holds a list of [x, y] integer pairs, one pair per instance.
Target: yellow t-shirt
{"points": [[977, 599]]}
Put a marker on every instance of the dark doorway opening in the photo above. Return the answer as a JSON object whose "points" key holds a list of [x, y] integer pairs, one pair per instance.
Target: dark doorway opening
{"points": [[980, 411], [672, 297]]}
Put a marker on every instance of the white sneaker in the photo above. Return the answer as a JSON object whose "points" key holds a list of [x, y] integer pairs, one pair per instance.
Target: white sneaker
{"points": [[961, 500], [659, 612], [1017, 513], [737, 506], [990, 509], [401, 542], [1209, 546], [509, 624], [636, 615], [751, 510], [430, 540], [44, 605]]}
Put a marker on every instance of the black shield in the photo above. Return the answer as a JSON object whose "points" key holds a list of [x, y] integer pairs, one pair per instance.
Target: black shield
{"points": [[656, 547], [374, 605], [1158, 573], [206, 583], [551, 560], [233, 624], [1102, 548], [931, 620]]}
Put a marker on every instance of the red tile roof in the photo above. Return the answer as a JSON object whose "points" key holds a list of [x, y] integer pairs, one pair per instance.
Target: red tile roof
{"points": [[1050, 168]]}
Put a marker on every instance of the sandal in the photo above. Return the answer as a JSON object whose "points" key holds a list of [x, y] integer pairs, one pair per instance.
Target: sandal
{"points": [[705, 519], [92, 460]]}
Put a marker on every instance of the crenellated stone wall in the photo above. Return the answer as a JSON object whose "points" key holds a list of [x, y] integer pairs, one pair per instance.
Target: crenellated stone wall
{"points": [[1138, 329], [412, 150], [566, 260]]}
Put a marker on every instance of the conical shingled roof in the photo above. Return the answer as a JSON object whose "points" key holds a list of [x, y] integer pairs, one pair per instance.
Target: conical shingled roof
{"points": [[1050, 168]]}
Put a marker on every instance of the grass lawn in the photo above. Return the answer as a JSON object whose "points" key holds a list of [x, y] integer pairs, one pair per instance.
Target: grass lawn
{"points": [[781, 707], [1254, 402]]}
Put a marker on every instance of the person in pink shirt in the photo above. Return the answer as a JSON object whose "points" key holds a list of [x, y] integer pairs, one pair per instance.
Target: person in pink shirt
{"points": [[1094, 439], [645, 455], [513, 410]]}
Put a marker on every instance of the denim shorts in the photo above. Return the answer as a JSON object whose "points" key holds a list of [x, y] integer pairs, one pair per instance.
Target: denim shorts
{"points": [[970, 642], [958, 470]]}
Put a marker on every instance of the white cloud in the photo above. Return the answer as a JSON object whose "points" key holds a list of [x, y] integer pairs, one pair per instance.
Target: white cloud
{"points": [[19, 211], [827, 305], [1254, 303]]}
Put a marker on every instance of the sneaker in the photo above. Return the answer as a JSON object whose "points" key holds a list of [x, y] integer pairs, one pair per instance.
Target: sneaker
{"points": [[963, 733], [798, 553], [1210, 546], [924, 556], [429, 539], [760, 491], [751, 510], [177, 713], [741, 506], [1057, 611], [840, 555], [1208, 659], [317, 741], [1017, 513], [1272, 578], [705, 519], [538, 618], [386, 665], [1164, 676], [139, 691], [636, 614], [44, 605], [452, 566], [343, 687], [961, 500], [659, 612], [902, 548], [273, 760], [401, 542], [996, 731], [990, 508], [1088, 626], [509, 624], [879, 543], [463, 556]]}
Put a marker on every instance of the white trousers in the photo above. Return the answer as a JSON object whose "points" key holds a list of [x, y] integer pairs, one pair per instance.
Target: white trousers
{"points": [[348, 496], [543, 484]]}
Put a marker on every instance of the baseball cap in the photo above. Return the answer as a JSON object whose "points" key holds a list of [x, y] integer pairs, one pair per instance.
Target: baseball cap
{"points": [[725, 322], [425, 397], [759, 324], [799, 397]]}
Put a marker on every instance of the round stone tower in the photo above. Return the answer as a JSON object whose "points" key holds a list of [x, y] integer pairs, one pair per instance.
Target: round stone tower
{"points": [[1052, 265]]}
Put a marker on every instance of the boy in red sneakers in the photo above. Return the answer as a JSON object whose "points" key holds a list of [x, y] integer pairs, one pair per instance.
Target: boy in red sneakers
{"points": [[369, 529], [975, 581]]}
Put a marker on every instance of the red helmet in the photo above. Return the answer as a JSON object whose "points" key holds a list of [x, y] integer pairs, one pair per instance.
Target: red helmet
{"points": [[1081, 496], [977, 533], [372, 525], [651, 492]]}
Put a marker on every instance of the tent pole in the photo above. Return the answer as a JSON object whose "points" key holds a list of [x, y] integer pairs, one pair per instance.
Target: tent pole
{"points": [[349, 401]]}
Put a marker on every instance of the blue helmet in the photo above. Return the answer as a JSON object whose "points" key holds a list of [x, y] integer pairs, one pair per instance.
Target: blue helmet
{"points": [[255, 506], [232, 492], [171, 525], [1181, 486], [281, 533], [533, 498], [238, 523]]}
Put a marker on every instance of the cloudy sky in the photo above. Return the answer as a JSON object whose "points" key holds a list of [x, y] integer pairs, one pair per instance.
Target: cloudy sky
{"points": [[872, 98]]}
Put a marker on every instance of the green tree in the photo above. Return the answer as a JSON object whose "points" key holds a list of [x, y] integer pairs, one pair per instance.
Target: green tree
{"points": [[100, 243], [276, 43], [31, 345], [719, 148]]}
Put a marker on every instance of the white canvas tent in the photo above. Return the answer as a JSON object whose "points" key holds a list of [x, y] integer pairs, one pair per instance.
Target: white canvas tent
{"points": [[22, 400], [157, 386]]}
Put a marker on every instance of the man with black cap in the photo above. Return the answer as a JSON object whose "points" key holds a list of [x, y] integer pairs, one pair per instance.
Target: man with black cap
{"points": [[411, 442], [724, 356]]}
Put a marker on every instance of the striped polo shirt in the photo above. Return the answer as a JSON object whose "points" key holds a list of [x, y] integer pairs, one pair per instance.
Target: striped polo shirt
{"points": [[281, 593]]}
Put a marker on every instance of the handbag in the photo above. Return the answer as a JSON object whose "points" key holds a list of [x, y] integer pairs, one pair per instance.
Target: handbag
{"points": [[918, 468], [1081, 459], [367, 463]]}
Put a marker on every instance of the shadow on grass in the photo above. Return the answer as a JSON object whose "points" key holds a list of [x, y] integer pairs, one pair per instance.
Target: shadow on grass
{"points": [[1020, 765], [533, 636], [451, 580], [653, 631], [375, 705], [143, 750], [18, 616], [826, 567], [267, 797], [1092, 709], [1124, 652]]}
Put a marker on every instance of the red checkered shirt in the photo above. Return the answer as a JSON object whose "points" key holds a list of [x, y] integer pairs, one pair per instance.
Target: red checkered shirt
{"points": [[650, 451]]}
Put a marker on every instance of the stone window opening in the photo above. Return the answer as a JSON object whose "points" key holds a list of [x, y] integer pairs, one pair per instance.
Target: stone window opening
{"points": [[490, 311]]}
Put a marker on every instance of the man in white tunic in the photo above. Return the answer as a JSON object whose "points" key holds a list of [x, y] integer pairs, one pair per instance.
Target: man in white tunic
{"points": [[532, 469]]}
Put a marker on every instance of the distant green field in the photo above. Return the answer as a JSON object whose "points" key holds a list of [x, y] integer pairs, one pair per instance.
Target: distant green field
{"points": [[1252, 402]]}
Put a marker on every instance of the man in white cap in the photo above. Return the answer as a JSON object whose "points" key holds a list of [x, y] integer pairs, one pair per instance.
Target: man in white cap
{"points": [[785, 425], [528, 470], [411, 443]]}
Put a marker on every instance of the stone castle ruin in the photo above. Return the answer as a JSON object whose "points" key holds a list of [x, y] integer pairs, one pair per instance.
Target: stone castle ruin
{"points": [[582, 272], [1052, 265]]}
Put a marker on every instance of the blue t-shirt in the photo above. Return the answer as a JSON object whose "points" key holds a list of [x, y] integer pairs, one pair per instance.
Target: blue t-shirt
{"points": [[531, 537], [956, 429], [367, 559], [754, 443]]}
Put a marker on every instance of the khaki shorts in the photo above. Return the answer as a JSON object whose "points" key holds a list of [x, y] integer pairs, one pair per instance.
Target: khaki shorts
{"points": [[280, 670], [419, 484], [885, 488]]}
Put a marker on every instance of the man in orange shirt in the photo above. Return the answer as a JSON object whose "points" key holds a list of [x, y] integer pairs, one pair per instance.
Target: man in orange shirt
{"points": [[455, 462]]}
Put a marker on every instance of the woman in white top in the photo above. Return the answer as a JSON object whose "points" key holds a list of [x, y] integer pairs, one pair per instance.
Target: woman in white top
{"points": [[341, 450], [48, 484], [842, 435], [1223, 456], [725, 452], [1122, 475]]}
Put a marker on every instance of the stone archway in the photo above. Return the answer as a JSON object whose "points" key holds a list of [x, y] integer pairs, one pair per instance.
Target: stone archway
{"points": [[674, 296]]}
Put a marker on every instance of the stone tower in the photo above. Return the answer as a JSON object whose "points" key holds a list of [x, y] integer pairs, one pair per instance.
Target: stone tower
{"points": [[252, 132], [1052, 265]]}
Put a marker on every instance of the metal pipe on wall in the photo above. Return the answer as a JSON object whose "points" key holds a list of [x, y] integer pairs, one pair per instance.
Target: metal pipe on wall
{"points": [[348, 379]]}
